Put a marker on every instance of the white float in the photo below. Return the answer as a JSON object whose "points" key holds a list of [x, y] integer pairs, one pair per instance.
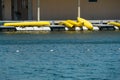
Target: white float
{"points": [[96, 28], [77, 28], [33, 28], [85, 28]]}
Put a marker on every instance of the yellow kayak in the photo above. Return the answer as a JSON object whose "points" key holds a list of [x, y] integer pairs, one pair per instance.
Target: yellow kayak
{"points": [[67, 24], [114, 23], [27, 24], [86, 23], [76, 24]]}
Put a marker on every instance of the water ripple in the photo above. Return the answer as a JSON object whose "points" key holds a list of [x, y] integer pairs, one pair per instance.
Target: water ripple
{"points": [[73, 56]]}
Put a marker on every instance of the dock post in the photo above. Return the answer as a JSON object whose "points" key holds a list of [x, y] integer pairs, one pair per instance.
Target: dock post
{"points": [[78, 8], [38, 10]]}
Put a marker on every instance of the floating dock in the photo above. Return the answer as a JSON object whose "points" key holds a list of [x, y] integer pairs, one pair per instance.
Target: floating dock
{"points": [[10, 28], [98, 25], [58, 28]]}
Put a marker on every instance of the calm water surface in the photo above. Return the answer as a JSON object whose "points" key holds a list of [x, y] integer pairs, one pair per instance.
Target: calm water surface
{"points": [[60, 56]]}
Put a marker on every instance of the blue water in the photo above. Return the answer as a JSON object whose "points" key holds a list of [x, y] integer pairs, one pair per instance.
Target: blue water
{"points": [[60, 55]]}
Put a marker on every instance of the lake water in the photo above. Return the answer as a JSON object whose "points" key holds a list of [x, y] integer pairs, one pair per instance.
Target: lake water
{"points": [[60, 55]]}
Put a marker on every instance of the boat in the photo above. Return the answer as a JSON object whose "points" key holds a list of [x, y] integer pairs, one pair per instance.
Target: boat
{"points": [[28, 24], [114, 23], [86, 23]]}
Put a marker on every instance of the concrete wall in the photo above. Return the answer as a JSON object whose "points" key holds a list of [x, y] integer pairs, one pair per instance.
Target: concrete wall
{"points": [[7, 10], [102, 9], [56, 9], [67, 9], [0, 9], [34, 9]]}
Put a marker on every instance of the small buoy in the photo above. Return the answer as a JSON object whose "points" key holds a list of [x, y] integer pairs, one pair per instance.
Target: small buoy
{"points": [[17, 51], [117, 28], [77, 28], [85, 28], [96, 28], [51, 50], [66, 29], [88, 49]]}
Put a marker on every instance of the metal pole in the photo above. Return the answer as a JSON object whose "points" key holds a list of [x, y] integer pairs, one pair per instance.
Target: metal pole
{"points": [[78, 8], [38, 10]]}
